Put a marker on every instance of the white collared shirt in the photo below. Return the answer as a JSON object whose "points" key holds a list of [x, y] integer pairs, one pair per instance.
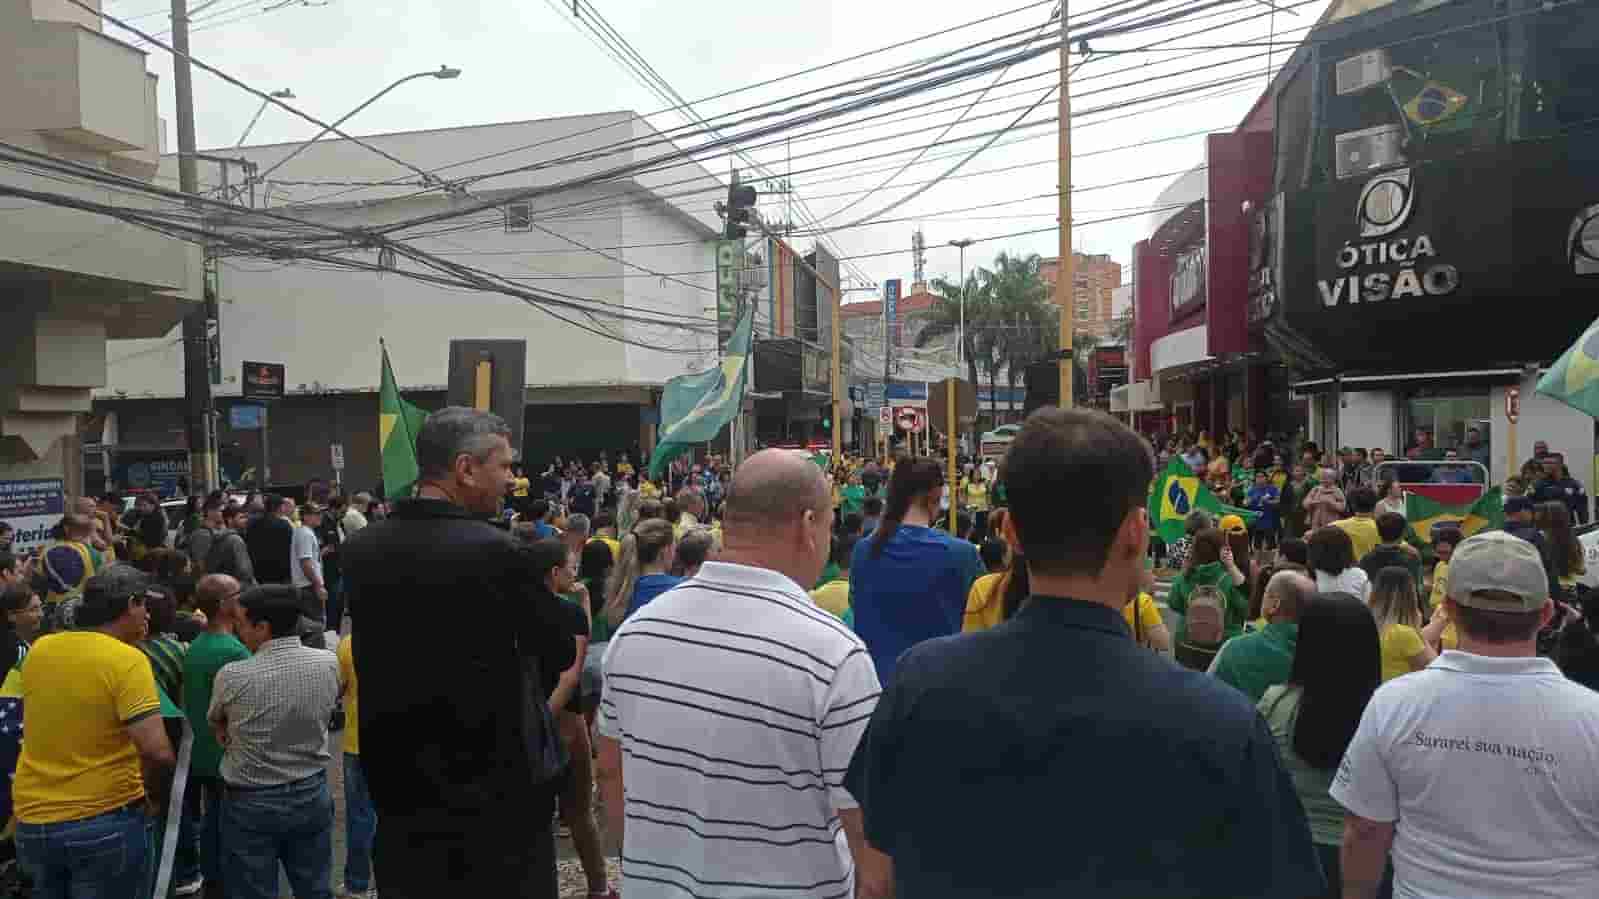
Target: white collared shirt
{"points": [[1490, 766], [738, 704]]}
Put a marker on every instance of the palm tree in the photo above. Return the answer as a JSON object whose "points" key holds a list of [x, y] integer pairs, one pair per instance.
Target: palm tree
{"points": [[1028, 322], [944, 319]]}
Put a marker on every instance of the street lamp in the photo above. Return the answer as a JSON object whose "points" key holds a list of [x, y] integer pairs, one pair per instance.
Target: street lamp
{"points": [[443, 73], [284, 94], [963, 244]]}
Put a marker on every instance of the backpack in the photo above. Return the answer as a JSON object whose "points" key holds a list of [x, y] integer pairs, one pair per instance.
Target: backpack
{"points": [[220, 558], [1206, 619]]}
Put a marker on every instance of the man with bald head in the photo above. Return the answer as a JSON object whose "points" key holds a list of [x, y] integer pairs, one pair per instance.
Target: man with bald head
{"points": [[737, 678], [217, 596], [1257, 661]]}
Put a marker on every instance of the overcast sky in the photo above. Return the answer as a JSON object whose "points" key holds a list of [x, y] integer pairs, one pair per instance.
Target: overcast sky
{"points": [[531, 60]]}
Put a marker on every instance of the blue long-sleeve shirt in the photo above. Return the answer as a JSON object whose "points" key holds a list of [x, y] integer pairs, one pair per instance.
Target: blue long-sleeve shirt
{"points": [[1264, 500]]}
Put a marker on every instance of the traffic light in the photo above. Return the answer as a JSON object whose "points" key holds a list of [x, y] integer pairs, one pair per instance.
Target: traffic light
{"points": [[740, 204]]}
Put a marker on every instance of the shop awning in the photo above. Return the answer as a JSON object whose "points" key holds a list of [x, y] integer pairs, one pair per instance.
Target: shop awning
{"points": [[1138, 396], [1485, 377]]}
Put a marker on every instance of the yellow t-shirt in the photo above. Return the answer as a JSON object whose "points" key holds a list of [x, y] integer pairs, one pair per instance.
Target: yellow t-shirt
{"points": [[985, 603], [977, 496], [624, 469], [519, 487], [1148, 615], [832, 596], [81, 691], [1362, 532], [614, 544], [1400, 643], [648, 490], [352, 718], [1440, 585]]}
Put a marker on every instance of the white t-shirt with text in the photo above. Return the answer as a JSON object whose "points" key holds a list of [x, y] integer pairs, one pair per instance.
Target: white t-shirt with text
{"points": [[1490, 766]]}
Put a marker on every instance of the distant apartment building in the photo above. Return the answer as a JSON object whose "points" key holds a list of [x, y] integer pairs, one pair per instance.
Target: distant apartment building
{"points": [[1097, 278]]}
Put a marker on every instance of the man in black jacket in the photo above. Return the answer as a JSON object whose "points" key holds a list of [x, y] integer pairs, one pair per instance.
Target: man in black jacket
{"points": [[448, 760], [270, 539]]}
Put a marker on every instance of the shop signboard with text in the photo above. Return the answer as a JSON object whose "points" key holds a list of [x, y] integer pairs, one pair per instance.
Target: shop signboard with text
{"points": [[32, 506]]}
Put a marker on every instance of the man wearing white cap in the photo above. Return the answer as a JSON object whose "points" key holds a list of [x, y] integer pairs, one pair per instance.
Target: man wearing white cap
{"points": [[1481, 771]]}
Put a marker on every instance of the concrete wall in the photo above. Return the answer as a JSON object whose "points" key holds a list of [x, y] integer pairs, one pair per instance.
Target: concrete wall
{"points": [[1567, 431], [1367, 419]]}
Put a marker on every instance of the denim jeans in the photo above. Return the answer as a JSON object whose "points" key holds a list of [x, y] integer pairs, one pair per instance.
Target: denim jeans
{"points": [[208, 792], [360, 827], [103, 857], [292, 824]]}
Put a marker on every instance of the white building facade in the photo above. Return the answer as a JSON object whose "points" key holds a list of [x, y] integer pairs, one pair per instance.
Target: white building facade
{"points": [[624, 269]]}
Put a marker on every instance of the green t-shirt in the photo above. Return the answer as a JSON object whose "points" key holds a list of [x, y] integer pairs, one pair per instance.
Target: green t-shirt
{"points": [[206, 656], [600, 626], [829, 573], [852, 498]]}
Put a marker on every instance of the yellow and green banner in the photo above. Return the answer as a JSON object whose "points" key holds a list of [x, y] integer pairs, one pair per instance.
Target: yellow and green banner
{"points": [[1424, 515], [398, 424]]}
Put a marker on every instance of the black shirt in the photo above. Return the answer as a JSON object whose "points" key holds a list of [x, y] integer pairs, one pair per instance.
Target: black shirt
{"points": [[442, 739], [271, 541], [1051, 756]]}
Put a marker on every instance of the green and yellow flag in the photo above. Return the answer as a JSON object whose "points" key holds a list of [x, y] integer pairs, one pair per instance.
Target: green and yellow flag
{"points": [[1423, 514], [1574, 379], [695, 408], [1178, 491], [398, 424]]}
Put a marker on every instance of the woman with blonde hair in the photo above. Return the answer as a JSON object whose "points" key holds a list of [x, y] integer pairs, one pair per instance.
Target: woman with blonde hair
{"points": [[1397, 608], [643, 571]]}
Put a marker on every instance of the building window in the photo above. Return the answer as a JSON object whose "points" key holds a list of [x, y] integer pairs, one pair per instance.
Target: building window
{"points": [[1083, 311], [519, 216], [1445, 418]]}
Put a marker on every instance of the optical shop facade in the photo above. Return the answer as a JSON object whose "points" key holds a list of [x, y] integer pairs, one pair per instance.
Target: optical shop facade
{"points": [[1432, 244]]}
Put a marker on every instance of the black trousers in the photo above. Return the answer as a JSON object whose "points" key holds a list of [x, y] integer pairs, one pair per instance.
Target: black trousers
{"points": [[426, 858]]}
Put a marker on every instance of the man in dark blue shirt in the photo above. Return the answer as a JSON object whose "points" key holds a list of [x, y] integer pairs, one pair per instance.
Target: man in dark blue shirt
{"points": [[1051, 755]]}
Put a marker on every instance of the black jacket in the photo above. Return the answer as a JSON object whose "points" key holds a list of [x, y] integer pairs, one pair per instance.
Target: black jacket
{"points": [[271, 541], [441, 733]]}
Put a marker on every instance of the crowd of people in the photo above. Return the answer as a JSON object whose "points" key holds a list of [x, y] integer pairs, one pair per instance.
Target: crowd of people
{"points": [[789, 677]]}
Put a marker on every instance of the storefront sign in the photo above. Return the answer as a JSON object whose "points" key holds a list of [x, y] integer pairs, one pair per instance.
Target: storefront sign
{"points": [[262, 381], [164, 471], [32, 507]]}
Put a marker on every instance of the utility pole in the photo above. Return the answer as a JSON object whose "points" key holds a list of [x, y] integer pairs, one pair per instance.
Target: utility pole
{"points": [[196, 336], [1066, 272]]}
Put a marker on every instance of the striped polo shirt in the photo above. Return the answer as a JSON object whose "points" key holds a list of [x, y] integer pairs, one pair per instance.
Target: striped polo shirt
{"points": [[738, 704]]}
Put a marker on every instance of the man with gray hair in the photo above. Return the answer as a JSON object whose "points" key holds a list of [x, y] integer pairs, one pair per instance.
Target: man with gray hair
{"points": [[763, 712], [576, 534], [1257, 661], [1479, 771], [452, 740]]}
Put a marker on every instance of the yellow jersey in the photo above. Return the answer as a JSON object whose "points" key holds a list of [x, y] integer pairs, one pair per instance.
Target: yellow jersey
{"points": [[352, 718]]}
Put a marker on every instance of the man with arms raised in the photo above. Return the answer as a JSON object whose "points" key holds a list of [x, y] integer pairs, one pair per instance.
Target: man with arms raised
{"points": [[731, 707], [1481, 771], [1117, 773]]}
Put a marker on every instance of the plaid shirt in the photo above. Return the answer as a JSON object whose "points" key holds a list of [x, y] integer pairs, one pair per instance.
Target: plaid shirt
{"points": [[276, 705]]}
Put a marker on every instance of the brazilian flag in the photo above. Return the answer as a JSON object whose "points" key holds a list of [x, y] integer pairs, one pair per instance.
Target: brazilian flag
{"points": [[1176, 492], [695, 408], [1423, 514], [1574, 379], [398, 424]]}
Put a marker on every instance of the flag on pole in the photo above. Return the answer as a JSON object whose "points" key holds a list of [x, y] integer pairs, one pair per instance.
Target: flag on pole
{"points": [[695, 408], [1424, 514], [1178, 491], [1574, 378], [398, 424]]}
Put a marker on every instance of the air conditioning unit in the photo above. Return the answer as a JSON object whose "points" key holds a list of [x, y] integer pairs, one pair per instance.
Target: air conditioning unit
{"points": [[1362, 72], [1368, 149]]}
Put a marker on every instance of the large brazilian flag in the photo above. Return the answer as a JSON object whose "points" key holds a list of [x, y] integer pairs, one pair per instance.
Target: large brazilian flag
{"points": [[1176, 492], [695, 408], [1423, 514], [1574, 379]]}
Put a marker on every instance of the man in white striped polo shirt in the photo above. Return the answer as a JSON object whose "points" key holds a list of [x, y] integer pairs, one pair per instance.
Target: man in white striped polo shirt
{"points": [[732, 705]]}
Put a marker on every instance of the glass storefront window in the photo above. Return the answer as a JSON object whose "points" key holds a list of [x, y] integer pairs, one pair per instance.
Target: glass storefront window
{"points": [[1446, 419]]}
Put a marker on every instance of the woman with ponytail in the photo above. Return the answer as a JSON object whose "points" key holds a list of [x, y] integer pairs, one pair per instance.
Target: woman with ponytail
{"points": [[909, 582], [643, 571]]}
